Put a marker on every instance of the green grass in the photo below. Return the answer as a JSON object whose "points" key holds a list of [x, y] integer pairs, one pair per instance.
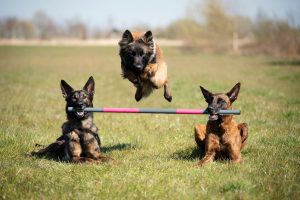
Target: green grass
{"points": [[154, 154]]}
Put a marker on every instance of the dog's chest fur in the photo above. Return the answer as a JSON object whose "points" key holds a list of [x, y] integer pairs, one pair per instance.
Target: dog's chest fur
{"points": [[79, 125], [226, 131]]}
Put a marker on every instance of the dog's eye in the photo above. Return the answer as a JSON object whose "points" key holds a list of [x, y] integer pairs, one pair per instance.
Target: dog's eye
{"points": [[221, 101], [141, 53], [133, 53]]}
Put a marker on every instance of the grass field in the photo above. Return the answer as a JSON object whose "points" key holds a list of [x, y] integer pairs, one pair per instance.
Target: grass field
{"points": [[154, 154]]}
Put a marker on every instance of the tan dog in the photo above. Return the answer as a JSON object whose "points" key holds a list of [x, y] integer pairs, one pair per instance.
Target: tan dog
{"points": [[221, 136], [142, 63]]}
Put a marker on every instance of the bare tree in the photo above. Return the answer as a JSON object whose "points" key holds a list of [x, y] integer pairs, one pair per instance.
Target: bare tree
{"points": [[276, 37], [45, 26], [77, 29], [9, 27], [13, 28], [26, 29]]}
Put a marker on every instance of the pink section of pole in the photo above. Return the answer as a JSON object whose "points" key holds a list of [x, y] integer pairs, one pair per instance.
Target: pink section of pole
{"points": [[121, 110], [189, 111]]}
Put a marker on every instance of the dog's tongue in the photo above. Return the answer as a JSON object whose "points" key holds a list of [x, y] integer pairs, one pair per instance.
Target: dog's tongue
{"points": [[213, 117]]}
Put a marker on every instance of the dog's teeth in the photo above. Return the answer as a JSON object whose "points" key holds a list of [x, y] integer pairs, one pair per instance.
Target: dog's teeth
{"points": [[80, 113]]}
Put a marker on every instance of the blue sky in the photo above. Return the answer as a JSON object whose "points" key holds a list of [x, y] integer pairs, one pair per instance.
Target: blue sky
{"points": [[126, 13]]}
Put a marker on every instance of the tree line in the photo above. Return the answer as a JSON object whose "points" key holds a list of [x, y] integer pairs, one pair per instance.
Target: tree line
{"points": [[43, 27], [208, 27], [211, 27]]}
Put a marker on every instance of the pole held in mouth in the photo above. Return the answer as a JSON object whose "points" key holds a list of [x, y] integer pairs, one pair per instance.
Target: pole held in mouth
{"points": [[156, 111]]}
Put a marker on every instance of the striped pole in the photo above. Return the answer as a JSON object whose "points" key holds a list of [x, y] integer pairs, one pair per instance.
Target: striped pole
{"points": [[156, 111]]}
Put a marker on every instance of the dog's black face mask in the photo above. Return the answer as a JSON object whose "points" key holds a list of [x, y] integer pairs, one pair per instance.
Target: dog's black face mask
{"points": [[136, 57], [136, 54], [79, 99], [219, 101]]}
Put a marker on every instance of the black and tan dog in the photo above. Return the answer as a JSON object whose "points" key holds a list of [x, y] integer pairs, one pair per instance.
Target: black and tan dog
{"points": [[79, 141], [142, 63], [221, 136]]}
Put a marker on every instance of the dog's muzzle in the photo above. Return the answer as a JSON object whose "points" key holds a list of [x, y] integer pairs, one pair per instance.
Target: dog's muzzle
{"points": [[138, 67], [80, 114], [79, 110], [213, 113]]}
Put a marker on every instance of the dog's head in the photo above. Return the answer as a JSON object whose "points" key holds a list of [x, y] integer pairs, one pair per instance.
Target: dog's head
{"points": [[78, 99], [220, 101], [137, 50]]}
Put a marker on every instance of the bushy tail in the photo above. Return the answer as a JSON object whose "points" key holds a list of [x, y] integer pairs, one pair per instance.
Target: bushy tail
{"points": [[56, 149], [147, 89]]}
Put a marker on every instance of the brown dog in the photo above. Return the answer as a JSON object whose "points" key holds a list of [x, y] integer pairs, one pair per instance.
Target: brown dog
{"points": [[221, 136], [142, 63]]}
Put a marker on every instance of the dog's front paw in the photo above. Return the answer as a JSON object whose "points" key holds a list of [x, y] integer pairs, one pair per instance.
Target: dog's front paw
{"points": [[102, 158], [138, 95], [197, 165], [168, 97], [236, 161]]}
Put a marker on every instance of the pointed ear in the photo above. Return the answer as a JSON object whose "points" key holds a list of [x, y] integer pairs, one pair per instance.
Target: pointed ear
{"points": [[66, 89], [126, 38], [233, 93], [207, 94], [148, 37], [90, 86]]}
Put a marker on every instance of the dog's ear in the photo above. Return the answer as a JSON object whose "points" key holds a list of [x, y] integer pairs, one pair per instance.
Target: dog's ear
{"points": [[233, 93], [207, 94], [66, 89], [90, 86], [126, 38], [148, 37]]}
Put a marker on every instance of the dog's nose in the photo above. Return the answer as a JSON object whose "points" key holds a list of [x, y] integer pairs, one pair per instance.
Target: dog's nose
{"points": [[210, 109], [139, 67], [80, 104]]}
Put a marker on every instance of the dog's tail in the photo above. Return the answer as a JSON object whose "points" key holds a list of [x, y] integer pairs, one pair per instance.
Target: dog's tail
{"points": [[56, 149], [147, 89]]}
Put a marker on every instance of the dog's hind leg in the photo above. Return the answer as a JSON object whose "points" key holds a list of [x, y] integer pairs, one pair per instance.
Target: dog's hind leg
{"points": [[200, 130], [167, 91], [243, 128]]}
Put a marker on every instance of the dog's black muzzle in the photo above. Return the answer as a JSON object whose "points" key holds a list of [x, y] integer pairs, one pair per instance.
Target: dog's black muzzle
{"points": [[213, 113], [138, 67], [79, 109]]}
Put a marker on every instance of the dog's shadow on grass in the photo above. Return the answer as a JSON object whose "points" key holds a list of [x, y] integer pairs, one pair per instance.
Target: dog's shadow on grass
{"points": [[118, 147], [195, 153], [295, 63], [191, 153]]}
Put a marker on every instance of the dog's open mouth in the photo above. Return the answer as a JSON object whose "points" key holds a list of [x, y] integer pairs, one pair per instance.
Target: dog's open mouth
{"points": [[213, 117], [80, 113]]}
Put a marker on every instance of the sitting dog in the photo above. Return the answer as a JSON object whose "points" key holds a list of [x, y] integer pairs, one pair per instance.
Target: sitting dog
{"points": [[221, 136], [142, 63], [79, 141]]}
